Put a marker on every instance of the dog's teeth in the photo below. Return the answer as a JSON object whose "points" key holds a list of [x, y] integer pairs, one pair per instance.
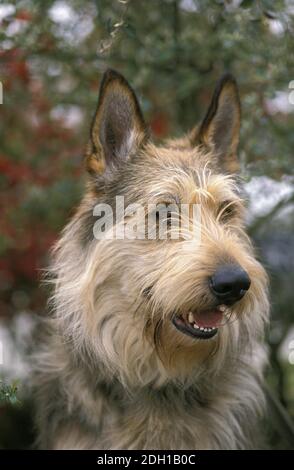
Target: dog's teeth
{"points": [[222, 308], [191, 317], [207, 329]]}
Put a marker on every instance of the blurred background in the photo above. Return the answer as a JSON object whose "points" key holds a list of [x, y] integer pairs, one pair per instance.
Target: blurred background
{"points": [[52, 55]]}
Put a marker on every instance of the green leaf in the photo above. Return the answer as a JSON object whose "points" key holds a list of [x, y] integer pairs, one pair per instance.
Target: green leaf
{"points": [[130, 30]]}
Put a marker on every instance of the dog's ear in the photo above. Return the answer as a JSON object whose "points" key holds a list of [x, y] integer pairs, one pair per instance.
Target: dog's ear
{"points": [[220, 128], [118, 127]]}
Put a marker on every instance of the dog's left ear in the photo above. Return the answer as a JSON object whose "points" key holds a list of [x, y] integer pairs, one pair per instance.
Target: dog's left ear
{"points": [[118, 127], [220, 128]]}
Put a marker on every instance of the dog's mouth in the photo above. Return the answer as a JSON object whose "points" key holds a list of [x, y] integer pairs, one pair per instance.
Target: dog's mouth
{"points": [[201, 324]]}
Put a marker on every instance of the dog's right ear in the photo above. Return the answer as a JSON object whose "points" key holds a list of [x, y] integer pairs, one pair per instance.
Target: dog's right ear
{"points": [[118, 127]]}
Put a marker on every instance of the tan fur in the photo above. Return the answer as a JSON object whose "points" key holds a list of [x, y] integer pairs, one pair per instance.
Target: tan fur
{"points": [[119, 374]]}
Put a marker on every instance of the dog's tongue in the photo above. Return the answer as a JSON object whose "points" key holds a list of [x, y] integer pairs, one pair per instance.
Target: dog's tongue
{"points": [[208, 318]]}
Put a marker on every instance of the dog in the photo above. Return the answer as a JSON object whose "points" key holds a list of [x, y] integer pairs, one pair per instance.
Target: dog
{"points": [[155, 343]]}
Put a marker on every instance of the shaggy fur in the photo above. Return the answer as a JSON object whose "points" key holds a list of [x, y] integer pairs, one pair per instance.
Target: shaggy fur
{"points": [[111, 370]]}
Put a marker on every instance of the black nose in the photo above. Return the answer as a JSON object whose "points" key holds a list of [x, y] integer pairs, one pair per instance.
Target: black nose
{"points": [[229, 283]]}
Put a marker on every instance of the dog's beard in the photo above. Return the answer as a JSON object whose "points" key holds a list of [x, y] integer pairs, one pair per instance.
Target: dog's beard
{"points": [[181, 352], [225, 332]]}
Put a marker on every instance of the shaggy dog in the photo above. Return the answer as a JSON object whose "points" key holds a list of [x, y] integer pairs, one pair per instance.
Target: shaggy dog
{"points": [[155, 342]]}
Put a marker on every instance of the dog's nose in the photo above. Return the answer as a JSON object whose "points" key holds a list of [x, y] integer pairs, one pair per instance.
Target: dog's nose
{"points": [[230, 283]]}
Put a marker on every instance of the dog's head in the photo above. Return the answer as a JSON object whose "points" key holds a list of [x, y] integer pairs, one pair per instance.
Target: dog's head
{"points": [[191, 285]]}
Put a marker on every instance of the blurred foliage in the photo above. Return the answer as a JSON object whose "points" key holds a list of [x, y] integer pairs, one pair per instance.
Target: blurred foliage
{"points": [[52, 54], [8, 393]]}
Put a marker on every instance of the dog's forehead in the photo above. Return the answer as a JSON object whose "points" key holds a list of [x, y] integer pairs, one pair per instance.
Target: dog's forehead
{"points": [[169, 162], [180, 172]]}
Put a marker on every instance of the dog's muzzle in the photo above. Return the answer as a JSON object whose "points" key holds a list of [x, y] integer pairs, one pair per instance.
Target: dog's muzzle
{"points": [[228, 285]]}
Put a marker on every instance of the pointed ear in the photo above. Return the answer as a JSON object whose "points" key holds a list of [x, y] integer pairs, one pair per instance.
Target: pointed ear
{"points": [[219, 131], [118, 127]]}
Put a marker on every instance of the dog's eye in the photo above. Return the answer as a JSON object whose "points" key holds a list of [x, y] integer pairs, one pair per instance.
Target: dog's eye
{"points": [[164, 212], [163, 220], [226, 210]]}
